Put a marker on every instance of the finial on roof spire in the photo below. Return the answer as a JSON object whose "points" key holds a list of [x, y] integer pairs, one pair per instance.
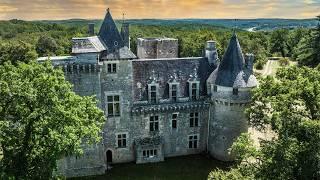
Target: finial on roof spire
{"points": [[123, 18], [108, 9], [235, 26]]}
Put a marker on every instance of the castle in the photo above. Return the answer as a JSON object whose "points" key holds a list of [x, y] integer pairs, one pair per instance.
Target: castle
{"points": [[156, 105]]}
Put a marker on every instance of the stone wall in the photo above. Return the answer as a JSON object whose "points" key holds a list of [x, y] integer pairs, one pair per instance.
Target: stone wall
{"points": [[156, 48], [227, 120], [91, 162]]}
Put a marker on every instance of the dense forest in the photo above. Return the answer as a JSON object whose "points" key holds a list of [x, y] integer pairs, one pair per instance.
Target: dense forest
{"points": [[43, 38]]}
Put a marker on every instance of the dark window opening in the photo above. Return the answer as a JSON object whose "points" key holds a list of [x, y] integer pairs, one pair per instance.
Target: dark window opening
{"points": [[112, 68], [174, 121], [235, 91], [215, 88], [193, 142]]}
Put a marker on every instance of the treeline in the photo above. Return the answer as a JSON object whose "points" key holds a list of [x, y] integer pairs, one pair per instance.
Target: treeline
{"points": [[55, 39]]}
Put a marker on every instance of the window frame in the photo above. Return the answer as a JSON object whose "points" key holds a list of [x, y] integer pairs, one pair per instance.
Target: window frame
{"points": [[122, 141], [193, 141], [153, 98], [194, 119], [114, 104], [194, 92], [174, 121], [112, 68], [173, 97], [154, 123]]}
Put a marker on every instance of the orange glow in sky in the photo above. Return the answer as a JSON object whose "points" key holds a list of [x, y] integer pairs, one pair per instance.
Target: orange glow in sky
{"points": [[160, 9]]}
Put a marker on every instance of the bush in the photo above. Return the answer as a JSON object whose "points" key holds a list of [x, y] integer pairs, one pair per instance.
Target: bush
{"points": [[284, 62], [259, 65]]}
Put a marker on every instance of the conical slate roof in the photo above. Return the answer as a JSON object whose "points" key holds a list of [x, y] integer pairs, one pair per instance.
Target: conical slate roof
{"points": [[109, 33], [232, 71]]}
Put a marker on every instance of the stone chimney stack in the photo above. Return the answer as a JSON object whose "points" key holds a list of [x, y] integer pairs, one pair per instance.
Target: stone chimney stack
{"points": [[91, 29], [211, 53], [125, 34], [249, 58]]}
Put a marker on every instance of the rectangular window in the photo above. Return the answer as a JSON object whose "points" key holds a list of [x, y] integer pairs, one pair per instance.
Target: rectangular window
{"points": [[122, 140], [153, 94], [112, 68], [174, 121], [235, 91], [174, 89], [193, 141], [194, 91], [113, 103], [149, 153], [154, 123], [194, 119], [215, 88]]}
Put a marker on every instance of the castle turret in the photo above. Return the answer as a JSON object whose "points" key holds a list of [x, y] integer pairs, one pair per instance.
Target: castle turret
{"points": [[211, 53], [229, 86]]}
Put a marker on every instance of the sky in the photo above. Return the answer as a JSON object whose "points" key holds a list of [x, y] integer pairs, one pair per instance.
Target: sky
{"points": [[159, 9]]}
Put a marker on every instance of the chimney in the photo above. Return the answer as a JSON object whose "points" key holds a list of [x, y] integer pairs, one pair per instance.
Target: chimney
{"points": [[125, 34], [249, 62], [211, 53], [91, 29]]}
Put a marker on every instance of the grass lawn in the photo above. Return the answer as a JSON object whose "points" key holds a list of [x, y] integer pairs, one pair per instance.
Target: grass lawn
{"points": [[192, 167]]}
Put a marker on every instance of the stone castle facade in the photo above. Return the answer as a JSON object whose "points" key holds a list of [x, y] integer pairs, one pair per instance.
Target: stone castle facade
{"points": [[156, 105]]}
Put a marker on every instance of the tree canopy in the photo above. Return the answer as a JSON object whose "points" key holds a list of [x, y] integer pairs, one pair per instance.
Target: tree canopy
{"points": [[42, 119]]}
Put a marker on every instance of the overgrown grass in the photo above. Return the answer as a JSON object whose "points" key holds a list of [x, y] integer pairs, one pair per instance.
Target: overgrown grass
{"points": [[186, 167]]}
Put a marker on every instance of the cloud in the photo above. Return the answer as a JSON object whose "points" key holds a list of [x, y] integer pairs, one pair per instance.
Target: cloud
{"points": [[92, 9]]}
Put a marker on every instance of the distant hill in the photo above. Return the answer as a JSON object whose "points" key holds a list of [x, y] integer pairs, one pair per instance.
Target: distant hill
{"points": [[245, 24]]}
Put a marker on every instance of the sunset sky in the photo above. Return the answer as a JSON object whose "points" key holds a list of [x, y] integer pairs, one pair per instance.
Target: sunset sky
{"points": [[137, 9]]}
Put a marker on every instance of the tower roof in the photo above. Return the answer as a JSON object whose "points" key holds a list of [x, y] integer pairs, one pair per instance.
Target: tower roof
{"points": [[109, 33], [232, 71]]}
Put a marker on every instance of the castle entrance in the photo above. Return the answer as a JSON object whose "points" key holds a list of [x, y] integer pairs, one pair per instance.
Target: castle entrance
{"points": [[109, 156]]}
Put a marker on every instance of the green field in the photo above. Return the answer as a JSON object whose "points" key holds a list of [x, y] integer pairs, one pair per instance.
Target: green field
{"points": [[186, 168]]}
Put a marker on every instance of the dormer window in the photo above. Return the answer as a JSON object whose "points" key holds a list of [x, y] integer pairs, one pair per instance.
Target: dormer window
{"points": [[235, 91], [153, 94], [173, 91], [194, 90], [153, 88]]}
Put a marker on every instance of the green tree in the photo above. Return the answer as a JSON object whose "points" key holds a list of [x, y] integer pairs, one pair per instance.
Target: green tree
{"points": [[42, 119], [279, 42], [290, 105], [308, 50], [46, 46], [15, 52]]}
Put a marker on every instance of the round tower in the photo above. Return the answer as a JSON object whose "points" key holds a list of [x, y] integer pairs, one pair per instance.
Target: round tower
{"points": [[229, 86]]}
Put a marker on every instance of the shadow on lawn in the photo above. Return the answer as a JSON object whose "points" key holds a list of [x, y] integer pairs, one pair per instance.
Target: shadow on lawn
{"points": [[191, 167]]}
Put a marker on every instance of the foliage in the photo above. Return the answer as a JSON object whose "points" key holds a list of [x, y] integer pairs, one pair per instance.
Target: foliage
{"points": [[46, 46], [308, 50], [284, 62], [42, 119], [15, 52], [233, 174], [290, 105]]}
